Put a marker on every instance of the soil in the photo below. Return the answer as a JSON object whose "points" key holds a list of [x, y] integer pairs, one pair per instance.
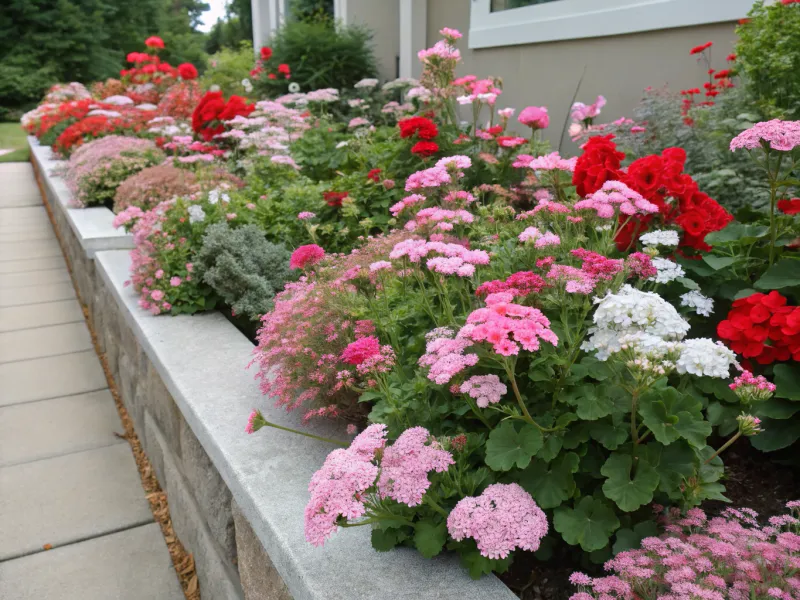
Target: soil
{"points": [[753, 479]]}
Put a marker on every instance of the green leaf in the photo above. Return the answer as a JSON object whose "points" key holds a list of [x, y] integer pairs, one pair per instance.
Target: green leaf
{"points": [[590, 524], [552, 484], [630, 539], [627, 488], [611, 434], [592, 402], [737, 232], [551, 448], [744, 293], [784, 273], [430, 538], [777, 408], [787, 381], [777, 434], [671, 415], [689, 284], [674, 464], [479, 565], [719, 262], [509, 445], [384, 540], [723, 417]]}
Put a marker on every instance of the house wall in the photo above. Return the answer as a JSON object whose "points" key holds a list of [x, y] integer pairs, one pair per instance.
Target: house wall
{"points": [[617, 67], [383, 18]]}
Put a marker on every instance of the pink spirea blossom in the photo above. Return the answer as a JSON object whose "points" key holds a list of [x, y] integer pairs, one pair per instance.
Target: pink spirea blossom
{"points": [[535, 117], [519, 284], [360, 350], [775, 134], [445, 355], [547, 162], [306, 256], [406, 463], [613, 195], [485, 389], [337, 487], [411, 200], [358, 122], [428, 178], [503, 518]]}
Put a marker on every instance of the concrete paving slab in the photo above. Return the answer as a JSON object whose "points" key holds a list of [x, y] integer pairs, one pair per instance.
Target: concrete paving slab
{"points": [[22, 213], [36, 294], [32, 264], [128, 565], [44, 341], [68, 499], [48, 428], [26, 250], [28, 198], [15, 318], [52, 377], [11, 280], [26, 236]]}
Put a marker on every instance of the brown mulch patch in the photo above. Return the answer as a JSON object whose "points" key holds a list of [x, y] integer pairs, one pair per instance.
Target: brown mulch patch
{"points": [[182, 561]]}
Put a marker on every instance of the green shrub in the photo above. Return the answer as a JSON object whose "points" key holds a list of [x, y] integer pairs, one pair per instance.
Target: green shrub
{"points": [[320, 54], [243, 267], [769, 55], [227, 68]]}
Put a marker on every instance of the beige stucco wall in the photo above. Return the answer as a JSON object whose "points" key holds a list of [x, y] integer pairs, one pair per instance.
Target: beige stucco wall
{"points": [[383, 18], [618, 67]]}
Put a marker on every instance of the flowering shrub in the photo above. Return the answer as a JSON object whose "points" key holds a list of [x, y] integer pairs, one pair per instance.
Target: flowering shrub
{"points": [[180, 99], [213, 109], [97, 169], [730, 556], [152, 186], [167, 240]]}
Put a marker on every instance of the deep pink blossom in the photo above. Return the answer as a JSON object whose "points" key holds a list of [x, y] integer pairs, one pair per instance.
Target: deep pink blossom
{"points": [[306, 256]]}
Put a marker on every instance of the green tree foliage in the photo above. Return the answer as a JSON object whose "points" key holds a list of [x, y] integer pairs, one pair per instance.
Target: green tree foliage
{"points": [[43, 42], [234, 29]]}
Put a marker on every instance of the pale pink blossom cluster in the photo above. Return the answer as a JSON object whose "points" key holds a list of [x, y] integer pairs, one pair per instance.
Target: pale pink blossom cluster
{"points": [[539, 239], [507, 326], [428, 178], [306, 215], [730, 557], [442, 219], [417, 249], [582, 112], [485, 389], [406, 463], [459, 196], [455, 163], [450, 33], [613, 195], [358, 122], [444, 355], [503, 518], [440, 51], [411, 200], [775, 134], [546, 162]]}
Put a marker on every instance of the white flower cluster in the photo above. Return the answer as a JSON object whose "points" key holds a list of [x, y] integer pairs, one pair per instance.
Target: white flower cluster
{"points": [[650, 331], [660, 238], [702, 305], [400, 83], [667, 270], [216, 195], [704, 357], [196, 214], [631, 311], [366, 83]]}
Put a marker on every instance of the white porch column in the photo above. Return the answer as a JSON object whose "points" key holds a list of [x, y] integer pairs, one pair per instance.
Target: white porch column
{"points": [[268, 15], [413, 35]]}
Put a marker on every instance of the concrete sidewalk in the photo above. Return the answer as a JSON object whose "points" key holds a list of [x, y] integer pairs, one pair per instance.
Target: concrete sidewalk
{"points": [[66, 480]]}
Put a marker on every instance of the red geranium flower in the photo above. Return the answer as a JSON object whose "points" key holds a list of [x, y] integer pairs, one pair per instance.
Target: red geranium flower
{"points": [[425, 148], [266, 53], [701, 48], [374, 175], [187, 71], [789, 207], [423, 128], [600, 162], [154, 42], [334, 198], [284, 69]]}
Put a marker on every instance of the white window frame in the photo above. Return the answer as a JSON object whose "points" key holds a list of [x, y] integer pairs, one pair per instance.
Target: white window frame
{"points": [[577, 19]]}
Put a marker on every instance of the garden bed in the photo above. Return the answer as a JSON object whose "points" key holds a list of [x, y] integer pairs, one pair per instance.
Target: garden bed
{"points": [[236, 502]]}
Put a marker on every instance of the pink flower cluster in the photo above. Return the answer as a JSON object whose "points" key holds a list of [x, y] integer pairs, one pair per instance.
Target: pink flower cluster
{"points": [[428, 178], [750, 388], [337, 488], [539, 239], [444, 355], [775, 134], [306, 256], [441, 50], [443, 218], [582, 112], [730, 557], [546, 205], [503, 518], [411, 200], [615, 194], [485, 389], [507, 326], [520, 284], [455, 259], [406, 463], [547, 162], [360, 350]]}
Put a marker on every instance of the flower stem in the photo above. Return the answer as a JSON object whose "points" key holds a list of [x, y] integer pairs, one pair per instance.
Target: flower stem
{"points": [[264, 423], [725, 446], [435, 505], [521, 402]]}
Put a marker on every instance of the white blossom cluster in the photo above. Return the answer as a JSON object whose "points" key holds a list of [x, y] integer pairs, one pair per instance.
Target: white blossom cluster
{"points": [[704, 357], [196, 214], [660, 238], [216, 195], [702, 305], [400, 83], [631, 311], [667, 270], [366, 83]]}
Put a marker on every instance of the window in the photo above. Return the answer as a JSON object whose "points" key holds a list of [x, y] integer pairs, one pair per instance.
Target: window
{"points": [[512, 22], [498, 5]]}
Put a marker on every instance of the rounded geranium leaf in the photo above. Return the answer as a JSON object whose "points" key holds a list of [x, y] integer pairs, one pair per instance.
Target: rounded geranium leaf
{"points": [[630, 488], [510, 446], [589, 525]]}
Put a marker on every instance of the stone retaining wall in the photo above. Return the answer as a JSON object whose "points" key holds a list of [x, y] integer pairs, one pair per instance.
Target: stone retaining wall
{"points": [[236, 501]]}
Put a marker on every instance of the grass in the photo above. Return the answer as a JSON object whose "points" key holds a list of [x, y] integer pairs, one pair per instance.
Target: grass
{"points": [[13, 136]]}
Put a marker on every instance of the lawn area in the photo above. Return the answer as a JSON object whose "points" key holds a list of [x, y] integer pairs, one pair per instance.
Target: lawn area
{"points": [[13, 136]]}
